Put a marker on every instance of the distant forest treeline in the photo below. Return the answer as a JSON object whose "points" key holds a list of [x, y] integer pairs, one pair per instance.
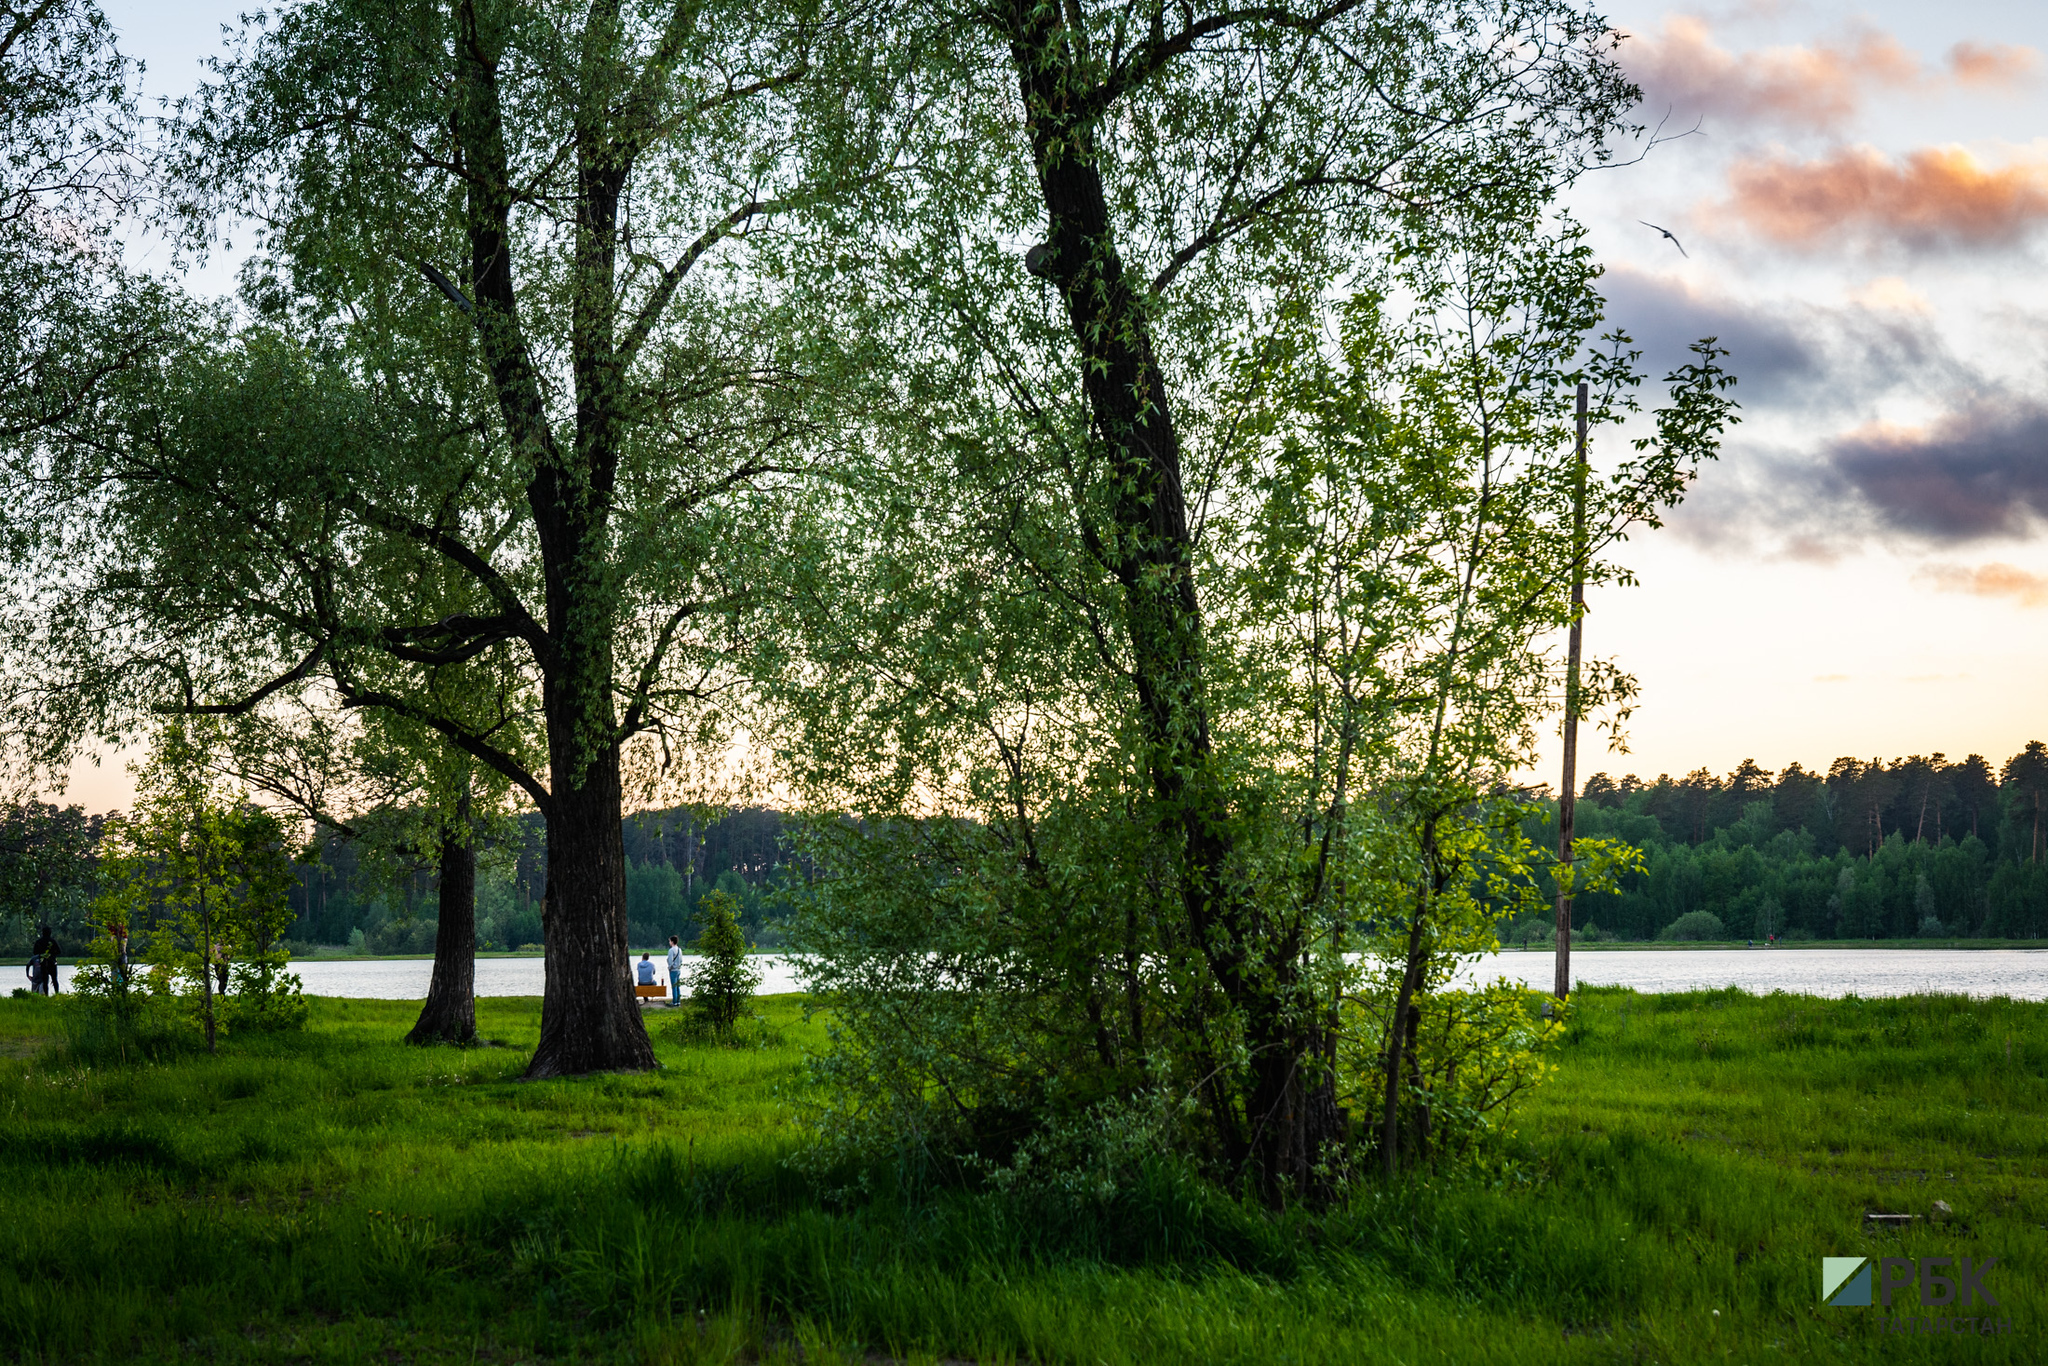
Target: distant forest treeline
{"points": [[347, 898], [672, 860], [1919, 847]]}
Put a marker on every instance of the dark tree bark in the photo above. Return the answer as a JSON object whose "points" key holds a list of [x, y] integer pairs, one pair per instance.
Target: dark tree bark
{"points": [[449, 1015], [1281, 1132], [590, 1018]]}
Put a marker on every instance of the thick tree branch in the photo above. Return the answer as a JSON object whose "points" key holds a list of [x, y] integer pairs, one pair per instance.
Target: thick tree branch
{"points": [[460, 736], [512, 613], [672, 278], [651, 669], [193, 707], [1152, 56], [480, 124]]}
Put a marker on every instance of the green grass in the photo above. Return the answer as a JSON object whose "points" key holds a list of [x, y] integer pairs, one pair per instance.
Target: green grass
{"points": [[338, 1196]]}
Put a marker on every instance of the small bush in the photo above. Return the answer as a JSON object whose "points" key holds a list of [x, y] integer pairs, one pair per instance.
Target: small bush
{"points": [[1932, 928], [724, 981], [1694, 926]]}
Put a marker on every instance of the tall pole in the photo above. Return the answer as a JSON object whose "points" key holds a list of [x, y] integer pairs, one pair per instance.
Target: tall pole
{"points": [[1568, 794]]}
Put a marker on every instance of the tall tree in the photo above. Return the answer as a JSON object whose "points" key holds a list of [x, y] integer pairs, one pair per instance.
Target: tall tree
{"points": [[1746, 784], [1920, 791], [1841, 797], [1695, 798], [1103, 220], [373, 776], [1876, 788], [1796, 799], [510, 392], [1974, 788], [2026, 774]]}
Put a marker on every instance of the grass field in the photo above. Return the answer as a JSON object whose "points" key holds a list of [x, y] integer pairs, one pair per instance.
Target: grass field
{"points": [[340, 1197]]}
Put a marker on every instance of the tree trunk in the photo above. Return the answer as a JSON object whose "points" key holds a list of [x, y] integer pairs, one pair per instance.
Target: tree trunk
{"points": [[1151, 551], [449, 1015], [590, 1019], [1568, 794], [1393, 1054], [205, 966]]}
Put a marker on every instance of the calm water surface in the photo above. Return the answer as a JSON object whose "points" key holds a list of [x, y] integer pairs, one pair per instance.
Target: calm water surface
{"points": [[2019, 973]]}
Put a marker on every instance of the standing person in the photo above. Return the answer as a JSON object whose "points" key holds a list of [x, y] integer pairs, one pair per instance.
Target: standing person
{"points": [[45, 952], [675, 972]]}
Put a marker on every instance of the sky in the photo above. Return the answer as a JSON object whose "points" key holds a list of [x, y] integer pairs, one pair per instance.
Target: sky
{"points": [[1859, 195], [1865, 569]]}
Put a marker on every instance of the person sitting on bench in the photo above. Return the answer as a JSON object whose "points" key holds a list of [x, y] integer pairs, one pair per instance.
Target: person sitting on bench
{"points": [[646, 971]]}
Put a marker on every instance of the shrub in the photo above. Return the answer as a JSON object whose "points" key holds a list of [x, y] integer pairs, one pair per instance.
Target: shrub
{"points": [[1932, 928], [1693, 926], [193, 900], [724, 981]]}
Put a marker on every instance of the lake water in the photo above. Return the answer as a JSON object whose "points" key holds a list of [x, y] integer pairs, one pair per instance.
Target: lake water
{"points": [[2019, 973]]}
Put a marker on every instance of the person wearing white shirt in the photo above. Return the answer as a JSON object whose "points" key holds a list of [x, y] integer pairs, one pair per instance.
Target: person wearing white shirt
{"points": [[675, 972]]}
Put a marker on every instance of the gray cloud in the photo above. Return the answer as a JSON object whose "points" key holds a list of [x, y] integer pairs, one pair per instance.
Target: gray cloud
{"points": [[1975, 473], [1761, 500], [1798, 357], [1771, 357]]}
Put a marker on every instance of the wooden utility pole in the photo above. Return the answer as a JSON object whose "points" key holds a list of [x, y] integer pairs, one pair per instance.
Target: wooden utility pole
{"points": [[1567, 797]]}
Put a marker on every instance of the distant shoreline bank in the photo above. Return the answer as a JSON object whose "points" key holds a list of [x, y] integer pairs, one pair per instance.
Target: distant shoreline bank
{"points": [[1630, 946]]}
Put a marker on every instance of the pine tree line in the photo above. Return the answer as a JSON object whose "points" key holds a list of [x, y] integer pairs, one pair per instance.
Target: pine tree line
{"points": [[1918, 847]]}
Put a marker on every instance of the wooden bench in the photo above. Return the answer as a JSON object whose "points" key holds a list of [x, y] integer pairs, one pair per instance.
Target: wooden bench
{"points": [[659, 993]]}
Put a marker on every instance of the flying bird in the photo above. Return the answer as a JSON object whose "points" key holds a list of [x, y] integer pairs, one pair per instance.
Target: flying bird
{"points": [[1668, 234]]}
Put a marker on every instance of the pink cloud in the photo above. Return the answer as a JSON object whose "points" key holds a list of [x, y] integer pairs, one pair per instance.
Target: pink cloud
{"points": [[1991, 581], [1817, 87], [1992, 64], [1934, 195]]}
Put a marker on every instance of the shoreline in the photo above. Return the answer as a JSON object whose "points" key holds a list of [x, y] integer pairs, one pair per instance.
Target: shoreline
{"points": [[1888, 945], [1627, 946]]}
